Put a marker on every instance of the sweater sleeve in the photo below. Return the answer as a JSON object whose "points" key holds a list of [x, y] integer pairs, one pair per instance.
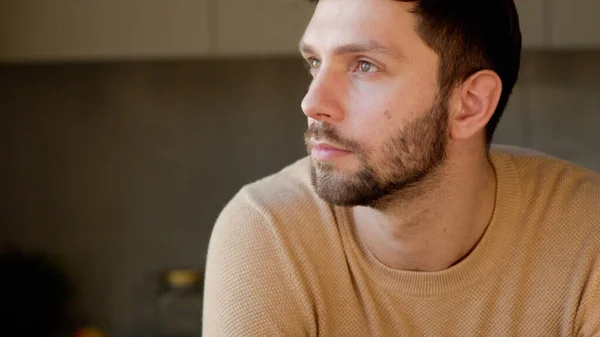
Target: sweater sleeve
{"points": [[588, 316], [251, 284]]}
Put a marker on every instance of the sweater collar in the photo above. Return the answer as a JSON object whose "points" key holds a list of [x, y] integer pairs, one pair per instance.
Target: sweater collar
{"points": [[483, 260]]}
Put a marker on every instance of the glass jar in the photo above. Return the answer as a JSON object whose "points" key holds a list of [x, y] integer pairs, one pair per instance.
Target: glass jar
{"points": [[179, 304]]}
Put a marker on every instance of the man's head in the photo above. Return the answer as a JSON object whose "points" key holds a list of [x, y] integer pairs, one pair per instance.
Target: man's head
{"points": [[396, 82]]}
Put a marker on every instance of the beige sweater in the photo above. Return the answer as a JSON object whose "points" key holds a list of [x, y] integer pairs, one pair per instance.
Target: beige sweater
{"points": [[282, 262]]}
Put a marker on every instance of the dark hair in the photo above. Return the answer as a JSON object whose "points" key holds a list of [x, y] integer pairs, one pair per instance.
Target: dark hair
{"points": [[469, 36]]}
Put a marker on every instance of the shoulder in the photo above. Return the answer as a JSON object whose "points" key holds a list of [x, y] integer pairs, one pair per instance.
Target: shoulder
{"points": [[545, 173], [560, 211], [285, 190], [283, 197], [253, 279], [280, 209], [557, 193]]}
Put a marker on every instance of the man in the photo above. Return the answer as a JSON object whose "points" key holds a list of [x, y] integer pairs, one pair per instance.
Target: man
{"points": [[404, 221]]}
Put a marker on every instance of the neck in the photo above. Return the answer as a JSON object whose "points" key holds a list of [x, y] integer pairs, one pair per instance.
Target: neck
{"points": [[436, 225]]}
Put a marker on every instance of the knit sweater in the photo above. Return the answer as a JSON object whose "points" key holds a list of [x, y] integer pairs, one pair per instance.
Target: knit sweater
{"points": [[283, 262]]}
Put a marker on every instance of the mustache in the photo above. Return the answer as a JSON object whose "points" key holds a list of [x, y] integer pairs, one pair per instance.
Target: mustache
{"points": [[326, 132]]}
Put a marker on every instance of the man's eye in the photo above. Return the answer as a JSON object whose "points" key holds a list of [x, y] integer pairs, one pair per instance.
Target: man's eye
{"points": [[314, 63], [366, 67]]}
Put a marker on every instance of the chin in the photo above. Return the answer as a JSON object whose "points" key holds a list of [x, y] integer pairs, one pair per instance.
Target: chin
{"points": [[340, 188], [342, 166]]}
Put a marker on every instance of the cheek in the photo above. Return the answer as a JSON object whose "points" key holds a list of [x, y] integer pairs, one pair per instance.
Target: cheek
{"points": [[373, 131], [377, 110], [371, 104], [373, 114]]}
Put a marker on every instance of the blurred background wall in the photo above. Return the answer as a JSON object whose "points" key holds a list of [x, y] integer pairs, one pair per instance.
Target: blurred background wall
{"points": [[122, 136]]}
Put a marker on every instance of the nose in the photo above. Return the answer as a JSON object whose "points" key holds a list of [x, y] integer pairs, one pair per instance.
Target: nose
{"points": [[323, 101]]}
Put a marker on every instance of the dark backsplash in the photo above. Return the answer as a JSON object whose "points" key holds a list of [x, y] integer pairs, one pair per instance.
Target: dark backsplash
{"points": [[121, 168]]}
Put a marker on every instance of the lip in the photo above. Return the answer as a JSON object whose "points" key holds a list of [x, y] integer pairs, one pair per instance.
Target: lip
{"points": [[325, 151]]}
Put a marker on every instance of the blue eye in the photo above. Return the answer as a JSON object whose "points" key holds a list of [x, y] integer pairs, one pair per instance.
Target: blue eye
{"points": [[314, 63]]}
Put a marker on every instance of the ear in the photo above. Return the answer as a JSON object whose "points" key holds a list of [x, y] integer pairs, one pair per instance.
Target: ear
{"points": [[477, 100]]}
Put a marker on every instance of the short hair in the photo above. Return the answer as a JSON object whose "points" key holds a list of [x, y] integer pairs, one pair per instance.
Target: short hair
{"points": [[469, 36]]}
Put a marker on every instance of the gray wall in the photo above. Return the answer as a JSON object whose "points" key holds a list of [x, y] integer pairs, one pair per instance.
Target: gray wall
{"points": [[122, 168], [556, 106]]}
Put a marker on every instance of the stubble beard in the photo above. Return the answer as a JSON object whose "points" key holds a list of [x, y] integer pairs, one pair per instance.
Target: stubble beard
{"points": [[401, 167]]}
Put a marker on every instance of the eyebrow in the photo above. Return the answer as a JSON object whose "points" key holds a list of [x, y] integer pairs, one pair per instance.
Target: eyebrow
{"points": [[354, 48]]}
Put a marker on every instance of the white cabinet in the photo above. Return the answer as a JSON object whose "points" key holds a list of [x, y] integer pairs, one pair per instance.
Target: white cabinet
{"points": [[102, 29], [533, 22], [575, 23], [260, 27]]}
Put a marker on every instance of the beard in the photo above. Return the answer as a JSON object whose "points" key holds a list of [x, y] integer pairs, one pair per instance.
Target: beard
{"points": [[406, 161]]}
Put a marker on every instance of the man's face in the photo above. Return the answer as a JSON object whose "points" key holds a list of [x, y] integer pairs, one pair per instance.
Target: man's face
{"points": [[377, 123]]}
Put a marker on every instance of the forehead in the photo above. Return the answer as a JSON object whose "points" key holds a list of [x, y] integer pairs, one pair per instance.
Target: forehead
{"points": [[338, 22]]}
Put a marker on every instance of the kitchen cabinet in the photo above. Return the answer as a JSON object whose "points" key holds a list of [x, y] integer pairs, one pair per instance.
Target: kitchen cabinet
{"points": [[275, 26], [575, 23], [533, 23], [91, 29], [72, 30], [260, 27]]}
